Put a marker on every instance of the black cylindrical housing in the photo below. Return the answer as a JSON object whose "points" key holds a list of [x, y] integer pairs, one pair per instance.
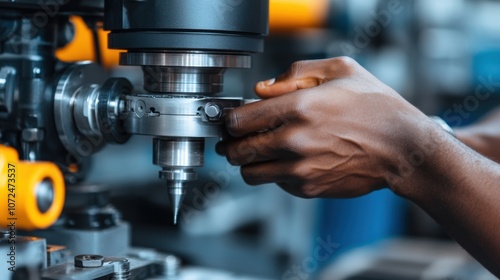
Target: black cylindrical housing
{"points": [[210, 25]]}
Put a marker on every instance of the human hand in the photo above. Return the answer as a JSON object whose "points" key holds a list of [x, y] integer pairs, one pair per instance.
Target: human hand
{"points": [[328, 129]]}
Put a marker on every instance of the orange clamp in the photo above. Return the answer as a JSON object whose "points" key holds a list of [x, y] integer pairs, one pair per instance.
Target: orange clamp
{"points": [[22, 183]]}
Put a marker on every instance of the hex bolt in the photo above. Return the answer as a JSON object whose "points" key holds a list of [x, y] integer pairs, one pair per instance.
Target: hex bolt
{"points": [[86, 261], [213, 111]]}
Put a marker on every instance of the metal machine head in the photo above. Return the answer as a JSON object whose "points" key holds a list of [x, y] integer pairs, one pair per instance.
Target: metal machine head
{"points": [[183, 47]]}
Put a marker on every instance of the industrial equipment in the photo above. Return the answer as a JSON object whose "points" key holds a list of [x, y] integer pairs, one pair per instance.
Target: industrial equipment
{"points": [[55, 115]]}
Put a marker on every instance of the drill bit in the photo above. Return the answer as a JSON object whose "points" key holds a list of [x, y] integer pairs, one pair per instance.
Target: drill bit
{"points": [[176, 191], [178, 157]]}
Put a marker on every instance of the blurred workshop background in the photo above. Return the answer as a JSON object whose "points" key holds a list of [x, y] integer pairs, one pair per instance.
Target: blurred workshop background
{"points": [[443, 56]]}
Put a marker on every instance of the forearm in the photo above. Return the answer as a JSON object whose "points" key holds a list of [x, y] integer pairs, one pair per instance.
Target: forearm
{"points": [[333, 130], [484, 136], [461, 190]]}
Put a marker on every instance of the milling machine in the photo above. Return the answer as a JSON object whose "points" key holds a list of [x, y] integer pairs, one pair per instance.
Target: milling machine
{"points": [[55, 115]]}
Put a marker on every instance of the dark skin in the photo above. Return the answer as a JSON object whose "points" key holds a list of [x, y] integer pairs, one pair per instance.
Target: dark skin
{"points": [[328, 128]]}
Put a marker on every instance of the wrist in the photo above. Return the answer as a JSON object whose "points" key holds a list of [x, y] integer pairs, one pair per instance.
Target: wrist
{"points": [[424, 151]]}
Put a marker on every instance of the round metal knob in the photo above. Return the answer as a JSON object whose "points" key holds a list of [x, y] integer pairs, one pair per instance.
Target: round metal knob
{"points": [[213, 111]]}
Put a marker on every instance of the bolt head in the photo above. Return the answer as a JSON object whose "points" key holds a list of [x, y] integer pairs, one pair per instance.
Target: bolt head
{"points": [[213, 111], [87, 261]]}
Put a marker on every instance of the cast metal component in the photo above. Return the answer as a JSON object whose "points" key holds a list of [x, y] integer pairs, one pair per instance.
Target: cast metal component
{"points": [[95, 109], [111, 241], [92, 218], [184, 47], [169, 265], [28, 257], [215, 25], [86, 261], [69, 271], [179, 152], [27, 72], [87, 195], [44, 194], [88, 208], [90, 223], [159, 79], [57, 255], [110, 107], [183, 122], [85, 110], [184, 72], [112, 268], [180, 124], [186, 59], [176, 116], [80, 78], [177, 157]]}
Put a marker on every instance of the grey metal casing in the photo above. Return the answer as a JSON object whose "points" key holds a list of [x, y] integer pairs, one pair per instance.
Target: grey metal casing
{"points": [[113, 241]]}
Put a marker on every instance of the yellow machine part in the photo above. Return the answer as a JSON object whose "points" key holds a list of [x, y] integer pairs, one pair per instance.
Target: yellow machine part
{"points": [[292, 15], [82, 46], [18, 183], [284, 16]]}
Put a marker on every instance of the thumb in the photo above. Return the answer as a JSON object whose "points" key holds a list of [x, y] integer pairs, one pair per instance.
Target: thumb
{"points": [[283, 84], [298, 76], [302, 75]]}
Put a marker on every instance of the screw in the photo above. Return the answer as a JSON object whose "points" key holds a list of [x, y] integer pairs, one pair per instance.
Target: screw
{"points": [[89, 261], [36, 71], [213, 111]]}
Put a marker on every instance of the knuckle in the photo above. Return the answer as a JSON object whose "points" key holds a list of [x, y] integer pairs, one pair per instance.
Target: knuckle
{"points": [[292, 143], [232, 122], [298, 108], [345, 61], [296, 67], [232, 156], [302, 172], [345, 64], [303, 105], [241, 152], [287, 141]]}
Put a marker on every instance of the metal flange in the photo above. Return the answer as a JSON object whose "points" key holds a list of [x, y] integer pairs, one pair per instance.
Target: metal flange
{"points": [[178, 116], [75, 79]]}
